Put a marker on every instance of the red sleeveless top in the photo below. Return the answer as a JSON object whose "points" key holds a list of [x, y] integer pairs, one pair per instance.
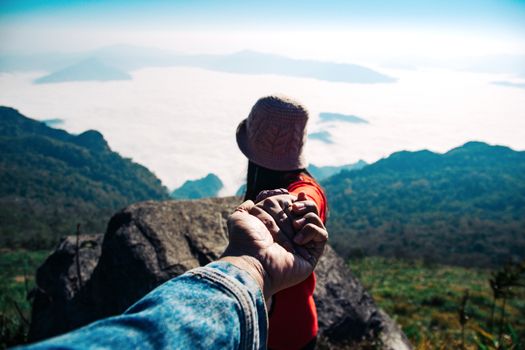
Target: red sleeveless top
{"points": [[293, 316]]}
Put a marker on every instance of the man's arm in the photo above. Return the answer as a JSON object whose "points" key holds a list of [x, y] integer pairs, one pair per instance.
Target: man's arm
{"points": [[217, 306]]}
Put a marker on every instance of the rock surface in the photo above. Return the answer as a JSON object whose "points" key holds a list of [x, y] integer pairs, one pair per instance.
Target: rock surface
{"points": [[151, 242]]}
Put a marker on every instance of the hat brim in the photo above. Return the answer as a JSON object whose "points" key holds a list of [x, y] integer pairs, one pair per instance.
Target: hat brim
{"points": [[242, 139], [282, 164]]}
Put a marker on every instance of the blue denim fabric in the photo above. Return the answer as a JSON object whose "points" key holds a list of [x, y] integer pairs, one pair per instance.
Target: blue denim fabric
{"points": [[217, 306]]}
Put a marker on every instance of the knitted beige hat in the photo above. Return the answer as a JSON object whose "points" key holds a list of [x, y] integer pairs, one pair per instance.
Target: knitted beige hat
{"points": [[274, 133]]}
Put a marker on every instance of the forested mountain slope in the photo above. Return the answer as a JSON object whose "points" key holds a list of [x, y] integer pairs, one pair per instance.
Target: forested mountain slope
{"points": [[465, 207], [51, 180]]}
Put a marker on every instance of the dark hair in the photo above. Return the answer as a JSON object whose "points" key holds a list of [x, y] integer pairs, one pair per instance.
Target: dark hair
{"points": [[260, 178]]}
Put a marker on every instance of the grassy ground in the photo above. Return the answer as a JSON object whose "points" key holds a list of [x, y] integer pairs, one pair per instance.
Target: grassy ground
{"points": [[425, 300], [17, 270]]}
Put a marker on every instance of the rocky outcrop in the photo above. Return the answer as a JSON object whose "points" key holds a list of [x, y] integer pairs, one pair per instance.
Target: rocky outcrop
{"points": [[151, 242], [58, 302]]}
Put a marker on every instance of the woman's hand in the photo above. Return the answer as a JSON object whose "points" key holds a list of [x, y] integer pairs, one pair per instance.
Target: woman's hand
{"points": [[290, 215], [281, 261], [284, 208]]}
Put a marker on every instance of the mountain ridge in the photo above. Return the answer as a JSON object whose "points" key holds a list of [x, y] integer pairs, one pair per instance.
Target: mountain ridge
{"points": [[465, 206], [321, 173], [205, 187], [122, 59], [51, 180], [90, 69]]}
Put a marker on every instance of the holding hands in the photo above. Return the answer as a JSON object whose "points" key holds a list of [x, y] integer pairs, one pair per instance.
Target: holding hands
{"points": [[278, 240]]}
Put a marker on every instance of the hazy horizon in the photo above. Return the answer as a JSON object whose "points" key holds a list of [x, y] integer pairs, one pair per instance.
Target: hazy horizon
{"points": [[180, 122], [460, 70]]}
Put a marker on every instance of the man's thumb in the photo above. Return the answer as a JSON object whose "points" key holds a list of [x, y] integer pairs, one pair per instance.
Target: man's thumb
{"points": [[245, 206]]}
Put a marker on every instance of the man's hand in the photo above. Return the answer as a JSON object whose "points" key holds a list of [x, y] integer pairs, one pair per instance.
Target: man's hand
{"points": [[276, 260], [284, 208]]}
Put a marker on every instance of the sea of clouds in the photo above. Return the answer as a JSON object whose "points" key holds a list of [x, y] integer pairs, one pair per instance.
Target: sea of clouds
{"points": [[180, 122]]}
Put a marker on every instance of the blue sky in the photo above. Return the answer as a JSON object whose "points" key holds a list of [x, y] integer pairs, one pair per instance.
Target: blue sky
{"points": [[498, 25], [501, 15]]}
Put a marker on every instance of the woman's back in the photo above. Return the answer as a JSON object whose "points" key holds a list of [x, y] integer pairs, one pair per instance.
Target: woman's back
{"points": [[293, 315], [272, 138]]}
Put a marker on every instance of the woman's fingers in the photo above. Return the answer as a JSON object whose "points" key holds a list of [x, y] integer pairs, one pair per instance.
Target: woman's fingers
{"points": [[312, 238], [279, 207], [312, 218], [301, 208], [269, 193], [278, 235], [302, 196], [294, 224], [307, 233], [311, 233], [245, 206]]}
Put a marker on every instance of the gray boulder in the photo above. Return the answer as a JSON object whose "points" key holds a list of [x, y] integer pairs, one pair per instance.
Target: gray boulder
{"points": [[148, 243], [59, 303]]}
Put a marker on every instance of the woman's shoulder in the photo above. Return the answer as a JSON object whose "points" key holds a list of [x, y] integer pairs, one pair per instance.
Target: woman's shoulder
{"points": [[303, 178]]}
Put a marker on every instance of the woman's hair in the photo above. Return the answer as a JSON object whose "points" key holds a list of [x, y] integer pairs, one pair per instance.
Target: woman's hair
{"points": [[260, 178]]}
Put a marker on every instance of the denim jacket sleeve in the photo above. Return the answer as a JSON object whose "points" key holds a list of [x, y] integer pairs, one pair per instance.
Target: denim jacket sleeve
{"points": [[217, 306]]}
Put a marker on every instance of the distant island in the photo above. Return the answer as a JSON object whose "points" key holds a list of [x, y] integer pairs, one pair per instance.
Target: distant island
{"points": [[252, 62], [115, 63], [323, 136], [208, 186], [241, 190], [53, 122], [324, 172], [509, 84], [337, 117], [87, 70]]}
